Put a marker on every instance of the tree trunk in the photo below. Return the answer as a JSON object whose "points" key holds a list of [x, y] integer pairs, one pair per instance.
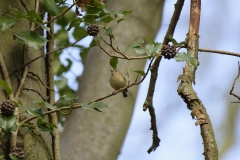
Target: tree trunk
{"points": [[36, 144], [92, 135]]}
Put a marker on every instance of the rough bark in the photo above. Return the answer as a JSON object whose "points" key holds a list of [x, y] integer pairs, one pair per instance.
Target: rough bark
{"points": [[92, 135], [36, 144]]}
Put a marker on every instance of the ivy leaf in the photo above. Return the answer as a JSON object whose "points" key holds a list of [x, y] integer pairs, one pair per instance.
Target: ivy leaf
{"points": [[79, 32], [150, 48], [51, 7], [108, 31], [8, 123], [99, 4], [140, 72], [182, 56], [121, 14], [114, 62], [44, 126], [5, 86], [45, 104], [130, 46], [94, 42], [69, 98], [13, 157], [158, 46], [107, 19], [175, 43], [120, 20], [30, 38], [139, 50], [75, 22], [94, 105], [6, 23], [36, 112], [150, 40], [33, 14]]}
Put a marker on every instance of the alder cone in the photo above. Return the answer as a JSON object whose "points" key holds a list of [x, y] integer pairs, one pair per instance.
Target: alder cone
{"points": [[18, 152], [93, 30], [168, 51], [7, 107]]}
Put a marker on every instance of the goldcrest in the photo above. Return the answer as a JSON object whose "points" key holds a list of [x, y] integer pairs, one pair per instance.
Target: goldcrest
{"points": [[117, 81]]}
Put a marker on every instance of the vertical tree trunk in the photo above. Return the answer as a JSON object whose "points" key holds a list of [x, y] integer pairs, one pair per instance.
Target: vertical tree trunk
{"points": [[92, 135], [36, 144]]}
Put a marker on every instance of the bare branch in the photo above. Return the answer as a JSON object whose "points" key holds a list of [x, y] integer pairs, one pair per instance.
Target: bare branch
{"points": [[186, 91]]}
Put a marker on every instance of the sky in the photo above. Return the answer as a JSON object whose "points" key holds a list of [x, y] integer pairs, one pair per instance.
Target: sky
{"points": [[180, 138]]}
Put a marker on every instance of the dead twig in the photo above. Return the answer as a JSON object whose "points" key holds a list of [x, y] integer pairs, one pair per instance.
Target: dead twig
{"points": [[233, 85]]}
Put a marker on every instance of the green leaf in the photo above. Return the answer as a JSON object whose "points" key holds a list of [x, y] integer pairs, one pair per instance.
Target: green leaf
{"points": [[62, 38], [69, 98], [158, 46], [5, 86], [79, 32], [140, 72], [33, 14], [114, 62], [94, 105], [107, 19], [45, 27], [91, 19], [139, 50], [120, 20], [36, 112], [51, 7], [75, 22], [130, 46], [94, 11], [94, 42], [13, 157], [149, 39], [31, 38], [174, 42], [8, 123], [44, 126], [182, 56], [6, 23], [45, 104], [65, 19], [99, 4], [150, 48], [108, 31], [1, 156], [121, 14], [61, 83]]}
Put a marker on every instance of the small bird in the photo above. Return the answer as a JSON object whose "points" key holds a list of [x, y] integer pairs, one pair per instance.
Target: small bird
{"points": [[117, 81]]}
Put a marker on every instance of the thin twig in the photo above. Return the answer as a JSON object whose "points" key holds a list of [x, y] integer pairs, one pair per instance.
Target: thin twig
{"points": [[6, 76], [64, 12], [21, 83], [33, 90], [121, 57], [219, 51], [24, 6], [233, 85], [33, 74], [43, 55]]}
